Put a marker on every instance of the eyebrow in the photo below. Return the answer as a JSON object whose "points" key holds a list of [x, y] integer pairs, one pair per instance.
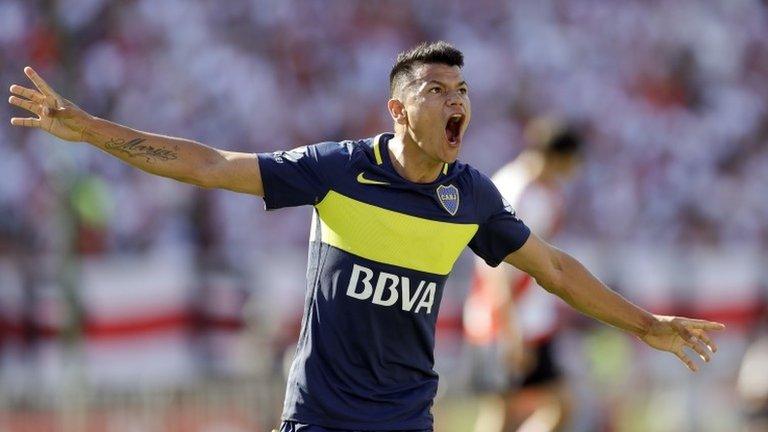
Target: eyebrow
{"points": [[463, 83]]}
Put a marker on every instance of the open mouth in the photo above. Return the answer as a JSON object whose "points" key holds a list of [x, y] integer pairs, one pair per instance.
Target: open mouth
{"points": [[453, 128]]}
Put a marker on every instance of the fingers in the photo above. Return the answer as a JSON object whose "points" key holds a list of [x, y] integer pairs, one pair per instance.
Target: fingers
{"points": [[701, 349], [691, 339], [702, 324], [30, 94], [33, 104], [26, 122], [707, 325], [39, 82], [704, 337], [696, 328], [27, 105], [686, 360], [697, 339]]}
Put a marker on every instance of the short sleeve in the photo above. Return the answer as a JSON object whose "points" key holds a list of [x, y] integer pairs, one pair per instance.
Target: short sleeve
{"points": [[299, 176], [501, 232]]}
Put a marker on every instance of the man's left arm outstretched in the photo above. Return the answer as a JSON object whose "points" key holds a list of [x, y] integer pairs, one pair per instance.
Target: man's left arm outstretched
{"points": [[563, 275]]}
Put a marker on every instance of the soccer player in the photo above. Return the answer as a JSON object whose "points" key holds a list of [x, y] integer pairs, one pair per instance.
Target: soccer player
{"points": [[391, 215], [510, 323]]}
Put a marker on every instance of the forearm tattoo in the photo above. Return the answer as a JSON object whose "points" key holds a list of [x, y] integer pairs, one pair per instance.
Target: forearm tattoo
{"points": [[137, 148]]}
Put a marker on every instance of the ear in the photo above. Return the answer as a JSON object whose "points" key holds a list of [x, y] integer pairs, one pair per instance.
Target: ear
{"points": [[397, 111]]}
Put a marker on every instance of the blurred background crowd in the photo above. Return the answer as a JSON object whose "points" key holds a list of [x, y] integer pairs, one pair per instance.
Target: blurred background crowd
{"points": [[162, 297]]}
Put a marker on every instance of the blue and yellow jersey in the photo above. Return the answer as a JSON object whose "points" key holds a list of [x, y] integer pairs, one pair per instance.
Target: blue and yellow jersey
{"points": [[381, 248]]}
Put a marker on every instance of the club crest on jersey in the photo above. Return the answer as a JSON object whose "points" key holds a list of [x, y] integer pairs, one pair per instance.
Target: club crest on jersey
{"points": [[449, 198]]}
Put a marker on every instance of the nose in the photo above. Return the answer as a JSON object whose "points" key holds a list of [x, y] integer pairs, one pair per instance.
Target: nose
{"points": [[455, 98]]}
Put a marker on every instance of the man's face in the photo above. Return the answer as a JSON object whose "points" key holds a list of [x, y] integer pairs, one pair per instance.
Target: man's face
{"points": [[436, 103]]}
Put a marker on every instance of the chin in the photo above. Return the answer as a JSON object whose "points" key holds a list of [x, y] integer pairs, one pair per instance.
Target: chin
{"points": [[450, 156], [451, 151]]}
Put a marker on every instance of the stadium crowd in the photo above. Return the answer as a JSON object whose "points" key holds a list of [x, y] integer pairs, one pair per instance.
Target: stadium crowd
{"points": [[672, 93], [672, 97]]}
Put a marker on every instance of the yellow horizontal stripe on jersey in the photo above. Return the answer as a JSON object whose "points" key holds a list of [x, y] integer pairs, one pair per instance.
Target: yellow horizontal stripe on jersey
{"points": [[391, 237]]}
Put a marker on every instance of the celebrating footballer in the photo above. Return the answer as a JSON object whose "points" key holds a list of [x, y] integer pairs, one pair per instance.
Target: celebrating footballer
{"points": [[392, 213]]}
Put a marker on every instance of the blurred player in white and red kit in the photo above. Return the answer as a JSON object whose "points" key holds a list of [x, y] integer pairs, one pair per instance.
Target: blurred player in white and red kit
{"points": [[508, 319]]}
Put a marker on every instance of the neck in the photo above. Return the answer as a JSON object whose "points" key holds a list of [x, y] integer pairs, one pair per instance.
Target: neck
{"points": [[537, 168], [410, 161]]}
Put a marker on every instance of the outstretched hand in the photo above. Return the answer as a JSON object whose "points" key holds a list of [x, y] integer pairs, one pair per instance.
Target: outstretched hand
{"points": [[55, 114], [673, 334]]}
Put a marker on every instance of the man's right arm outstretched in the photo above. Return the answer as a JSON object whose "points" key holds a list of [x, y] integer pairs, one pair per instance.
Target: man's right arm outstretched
{"points": [[180, 159]]}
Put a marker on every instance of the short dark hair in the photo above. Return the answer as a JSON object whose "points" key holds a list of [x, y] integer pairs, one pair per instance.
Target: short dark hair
{"points": [[565, 142], [555, 138], [426, 52]]}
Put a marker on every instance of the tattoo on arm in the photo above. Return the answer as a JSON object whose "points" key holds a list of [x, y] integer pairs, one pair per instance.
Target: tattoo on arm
{"points": [[137, 148]]}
